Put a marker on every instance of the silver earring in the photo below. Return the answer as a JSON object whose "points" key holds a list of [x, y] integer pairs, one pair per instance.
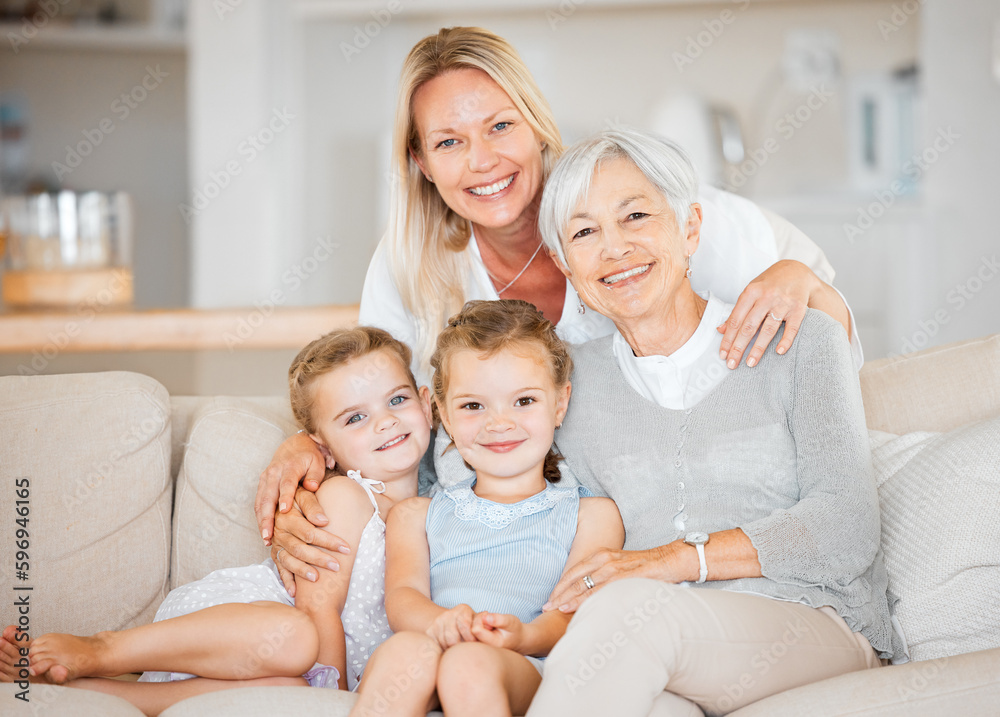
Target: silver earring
{"points": [[429, 179], [688, 272], [581, 309]]}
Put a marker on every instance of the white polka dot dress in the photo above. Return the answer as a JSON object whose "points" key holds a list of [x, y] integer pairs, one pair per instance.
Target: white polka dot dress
{"points": [[365, 623]]}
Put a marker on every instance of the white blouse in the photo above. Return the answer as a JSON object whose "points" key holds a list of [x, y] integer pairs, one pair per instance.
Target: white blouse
{"points": [[684, 377], [739, 240]]}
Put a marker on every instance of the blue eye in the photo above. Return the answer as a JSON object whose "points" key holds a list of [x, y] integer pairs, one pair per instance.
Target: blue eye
{"points": [[354, 419], [396, 400], [445, 143], [500, 126]]}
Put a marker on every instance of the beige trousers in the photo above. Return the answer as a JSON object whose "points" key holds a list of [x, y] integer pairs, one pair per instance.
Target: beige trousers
{"points": [[643, 647]]}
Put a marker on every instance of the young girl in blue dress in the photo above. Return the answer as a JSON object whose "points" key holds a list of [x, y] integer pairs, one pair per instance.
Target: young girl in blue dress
{"points": [[469, 569], [353, 392]]}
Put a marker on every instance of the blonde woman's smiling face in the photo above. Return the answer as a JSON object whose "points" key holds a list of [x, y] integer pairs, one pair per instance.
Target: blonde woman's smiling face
{"points": [[482, 155], [624, 252]]}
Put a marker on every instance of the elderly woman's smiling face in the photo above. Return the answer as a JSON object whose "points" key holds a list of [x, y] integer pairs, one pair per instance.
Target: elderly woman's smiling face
{"points": [[625, 254]]}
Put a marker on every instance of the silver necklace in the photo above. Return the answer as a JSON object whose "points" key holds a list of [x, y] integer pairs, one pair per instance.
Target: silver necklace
{"points": [[511, 283]]}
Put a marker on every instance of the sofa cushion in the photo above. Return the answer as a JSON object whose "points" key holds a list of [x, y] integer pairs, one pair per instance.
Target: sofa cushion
{"points": [[265, 702], [95, 452], [53, 700], [933, 390], [962, 685], [229, 443], [939, 495]]}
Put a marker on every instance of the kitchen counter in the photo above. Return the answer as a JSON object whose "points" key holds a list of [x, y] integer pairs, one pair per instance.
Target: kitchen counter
{"points": [[88, 330]]}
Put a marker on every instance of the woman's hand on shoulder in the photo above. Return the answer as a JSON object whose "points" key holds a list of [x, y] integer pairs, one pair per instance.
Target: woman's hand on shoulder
{"points": [[453, 626], [783, 290], [298, 458], [350, 508], [299, 546]]}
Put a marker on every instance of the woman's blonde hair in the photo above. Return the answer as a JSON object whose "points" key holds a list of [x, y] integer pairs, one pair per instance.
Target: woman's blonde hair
{"points": [[425, 238], [332, 351], [488, 327]]}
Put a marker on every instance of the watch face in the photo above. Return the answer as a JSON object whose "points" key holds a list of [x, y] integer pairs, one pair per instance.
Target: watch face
{"points": [[696, 538]]}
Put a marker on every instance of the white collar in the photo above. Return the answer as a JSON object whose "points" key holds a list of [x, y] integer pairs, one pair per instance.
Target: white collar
{"points": [[681, 379]]}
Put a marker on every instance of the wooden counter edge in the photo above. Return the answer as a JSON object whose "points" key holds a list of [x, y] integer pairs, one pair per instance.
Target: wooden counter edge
{"points": [[170, 330]]}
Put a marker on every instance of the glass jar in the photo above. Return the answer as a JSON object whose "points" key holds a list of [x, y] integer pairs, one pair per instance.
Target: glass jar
{"points": [[68, 248]]}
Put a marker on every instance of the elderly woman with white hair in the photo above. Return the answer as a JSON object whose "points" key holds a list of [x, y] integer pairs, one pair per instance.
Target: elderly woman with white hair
{"points": [[752, 562]]}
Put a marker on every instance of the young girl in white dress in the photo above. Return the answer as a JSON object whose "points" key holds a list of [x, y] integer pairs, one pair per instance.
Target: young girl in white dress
{"points": [[467, 571], [353, 392]]}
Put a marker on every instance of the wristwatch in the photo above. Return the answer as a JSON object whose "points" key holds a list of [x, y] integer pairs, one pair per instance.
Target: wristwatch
{"points": [[698, 540]]}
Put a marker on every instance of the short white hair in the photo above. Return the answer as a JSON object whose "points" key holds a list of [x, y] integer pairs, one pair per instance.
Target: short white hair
{"points": [[662, 162]]}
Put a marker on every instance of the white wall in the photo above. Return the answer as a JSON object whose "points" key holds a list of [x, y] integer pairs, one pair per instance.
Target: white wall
{"points": [[68, 92], [959, 44]]}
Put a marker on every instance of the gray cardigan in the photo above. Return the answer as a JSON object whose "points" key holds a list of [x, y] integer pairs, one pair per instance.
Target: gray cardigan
{"points": [[779, 450]]}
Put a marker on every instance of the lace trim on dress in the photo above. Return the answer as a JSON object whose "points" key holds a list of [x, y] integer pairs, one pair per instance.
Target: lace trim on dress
{"points": [[469, 506]]}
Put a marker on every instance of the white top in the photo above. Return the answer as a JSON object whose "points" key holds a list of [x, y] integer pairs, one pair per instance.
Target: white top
{"points": [[681, 379], [739, 241]]}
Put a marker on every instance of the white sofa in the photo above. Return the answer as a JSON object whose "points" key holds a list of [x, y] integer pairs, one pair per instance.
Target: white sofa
{"points": [[133, 492]]}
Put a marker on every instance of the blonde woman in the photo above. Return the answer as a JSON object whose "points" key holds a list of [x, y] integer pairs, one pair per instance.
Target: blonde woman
{"points": [[474, 143]]}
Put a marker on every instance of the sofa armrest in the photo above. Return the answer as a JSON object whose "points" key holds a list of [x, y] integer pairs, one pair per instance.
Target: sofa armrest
{"points": [[937, 389]]}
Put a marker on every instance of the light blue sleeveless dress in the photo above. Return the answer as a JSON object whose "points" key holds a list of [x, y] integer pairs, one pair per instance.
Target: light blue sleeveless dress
{"points": [[500, 557]]}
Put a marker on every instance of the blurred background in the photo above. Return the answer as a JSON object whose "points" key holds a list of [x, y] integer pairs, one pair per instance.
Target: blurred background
{"points": [[252, 140]]}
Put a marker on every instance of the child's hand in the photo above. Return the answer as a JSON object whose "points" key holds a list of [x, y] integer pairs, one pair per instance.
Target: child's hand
{"points": [[453, 626], [499, 630]]}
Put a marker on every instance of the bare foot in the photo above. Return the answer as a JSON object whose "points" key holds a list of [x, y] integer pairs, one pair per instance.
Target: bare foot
{"points": [[60, 658], [12, 641]]}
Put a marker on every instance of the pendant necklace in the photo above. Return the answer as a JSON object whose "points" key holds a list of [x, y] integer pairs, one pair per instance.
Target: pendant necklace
{"points": [[511, 283]]}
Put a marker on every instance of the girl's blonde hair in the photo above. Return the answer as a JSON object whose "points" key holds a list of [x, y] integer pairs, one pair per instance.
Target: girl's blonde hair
{"points": [[332, 351], [425, 238], [489, 327]]}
